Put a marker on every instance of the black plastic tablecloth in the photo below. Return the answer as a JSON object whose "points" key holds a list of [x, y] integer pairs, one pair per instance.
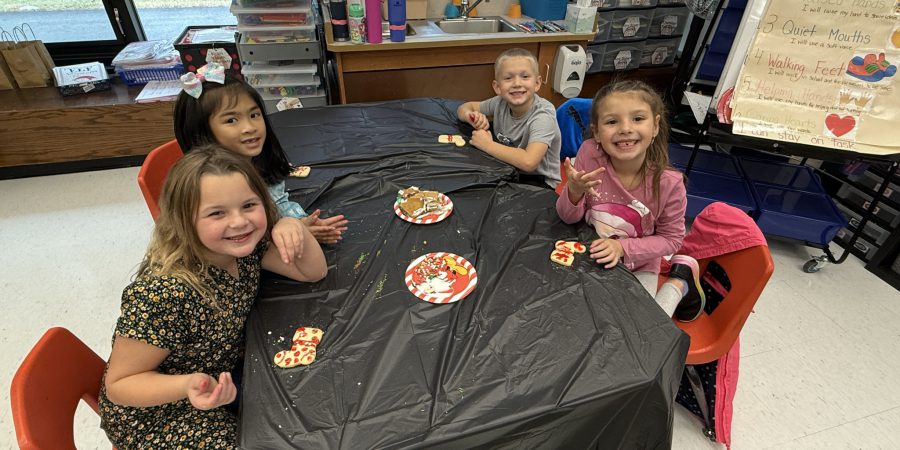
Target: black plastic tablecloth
{"points": [[537, 356]]}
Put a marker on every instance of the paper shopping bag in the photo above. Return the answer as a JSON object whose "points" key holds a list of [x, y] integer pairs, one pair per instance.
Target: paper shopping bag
{"points": [[6, 77], [26, 64]]}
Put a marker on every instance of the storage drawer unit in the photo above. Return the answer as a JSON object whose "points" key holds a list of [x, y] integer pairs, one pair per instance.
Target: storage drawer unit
{"points": [[615, 56], [667, 22], [659, 52], [883, 212]]}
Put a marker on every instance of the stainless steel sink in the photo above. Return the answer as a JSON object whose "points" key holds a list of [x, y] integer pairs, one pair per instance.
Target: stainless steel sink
{"points": [[489, 24]]}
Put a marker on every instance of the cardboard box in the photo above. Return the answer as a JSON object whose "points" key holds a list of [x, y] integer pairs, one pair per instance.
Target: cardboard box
{"points": [[580, 19], [81, 78]]}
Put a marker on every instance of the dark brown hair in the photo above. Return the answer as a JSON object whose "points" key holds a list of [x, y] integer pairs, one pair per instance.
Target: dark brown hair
{"points": [[657, 158], [192, 124]]}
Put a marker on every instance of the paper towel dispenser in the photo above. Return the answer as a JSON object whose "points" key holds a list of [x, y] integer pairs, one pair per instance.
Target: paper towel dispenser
{"points": [[568, 72]]}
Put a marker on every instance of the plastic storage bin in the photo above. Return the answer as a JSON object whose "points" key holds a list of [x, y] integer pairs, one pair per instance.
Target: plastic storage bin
{"points": [[134, 77], [254, 50], [871, 230], [669, 21], [873, 182], [882, 211], [604, 24], [781, 174], [671, 3], [862, 244], [277, 35], [707, 161], [659, 52], [704, 188], [269, 90], [273, 3], [630, 24], [615, 56], [625, 4], [544, 9], [259, 73], [278, 17], [805, 216]]}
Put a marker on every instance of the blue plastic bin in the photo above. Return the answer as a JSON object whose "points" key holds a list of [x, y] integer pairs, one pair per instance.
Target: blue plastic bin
{"points": [[781, 174], [707, 161], [805, 216], [544, 9], [704, 188]]}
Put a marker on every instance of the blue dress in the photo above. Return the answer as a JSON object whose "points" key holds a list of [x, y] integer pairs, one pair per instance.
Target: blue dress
{"points": [[286, 207]]}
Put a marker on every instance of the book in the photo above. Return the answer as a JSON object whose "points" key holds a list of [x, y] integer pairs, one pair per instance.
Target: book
{"points": [[159, 91]]}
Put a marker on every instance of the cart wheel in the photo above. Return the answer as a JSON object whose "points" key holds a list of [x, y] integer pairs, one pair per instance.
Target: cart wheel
{"points": [[710, 434], [812, 266]]}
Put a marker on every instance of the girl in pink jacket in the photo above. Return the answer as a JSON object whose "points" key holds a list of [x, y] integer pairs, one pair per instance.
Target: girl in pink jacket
{"points": [[622, 185]]}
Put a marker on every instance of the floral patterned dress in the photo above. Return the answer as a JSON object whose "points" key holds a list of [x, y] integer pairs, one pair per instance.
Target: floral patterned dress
{"points": [[167, 313]]}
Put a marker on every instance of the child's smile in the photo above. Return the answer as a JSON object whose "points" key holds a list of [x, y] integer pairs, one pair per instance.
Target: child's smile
{"points": [[625, 127], [231, 218]]}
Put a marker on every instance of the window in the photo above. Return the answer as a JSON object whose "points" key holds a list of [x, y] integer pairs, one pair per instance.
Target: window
{"points": [[77, 31], [168, 19], [51, 20]]}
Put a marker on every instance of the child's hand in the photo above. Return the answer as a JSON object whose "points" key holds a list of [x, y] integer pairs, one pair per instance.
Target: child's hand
{"points": [[481, 138], [580, 182], [287, 235], [205, 393], [608, 251], [328, 230], [478, 120]]}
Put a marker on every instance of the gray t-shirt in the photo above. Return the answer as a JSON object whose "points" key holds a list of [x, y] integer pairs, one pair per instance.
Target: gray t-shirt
{"points": [[538, 125]]}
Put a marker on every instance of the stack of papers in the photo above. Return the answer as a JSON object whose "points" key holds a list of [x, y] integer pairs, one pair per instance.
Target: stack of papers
{"points": [[159, 91]]}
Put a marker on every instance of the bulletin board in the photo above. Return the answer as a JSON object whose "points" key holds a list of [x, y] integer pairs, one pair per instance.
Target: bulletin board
{"points": [[823, 73]]}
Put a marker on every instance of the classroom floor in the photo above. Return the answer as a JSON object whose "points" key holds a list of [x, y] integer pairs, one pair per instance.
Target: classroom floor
{"points": [[816, 357]]}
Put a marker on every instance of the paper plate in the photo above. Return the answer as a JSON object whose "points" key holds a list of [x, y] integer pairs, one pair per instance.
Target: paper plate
{"points": [[431, 277], [427, 218], [723, 108]]}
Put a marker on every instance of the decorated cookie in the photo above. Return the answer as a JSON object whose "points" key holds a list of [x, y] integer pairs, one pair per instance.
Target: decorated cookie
{"points": [[573, 246], [303, 350], [300, 171], [563, 257], [564, 252], [452, 139]]}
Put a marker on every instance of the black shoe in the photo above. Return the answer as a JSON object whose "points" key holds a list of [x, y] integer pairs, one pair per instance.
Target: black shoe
{"points": [[691, 305]]}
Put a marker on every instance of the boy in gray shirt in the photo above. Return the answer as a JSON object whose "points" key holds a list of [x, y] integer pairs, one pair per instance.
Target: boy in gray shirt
{"points": [[524, 123]]}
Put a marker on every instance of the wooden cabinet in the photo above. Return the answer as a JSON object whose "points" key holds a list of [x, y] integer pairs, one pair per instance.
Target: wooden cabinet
{"points": [[42, 132], [458, 72]]}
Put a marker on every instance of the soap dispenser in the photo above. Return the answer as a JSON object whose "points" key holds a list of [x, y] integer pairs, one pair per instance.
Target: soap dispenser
{"points": [[569, 69]]}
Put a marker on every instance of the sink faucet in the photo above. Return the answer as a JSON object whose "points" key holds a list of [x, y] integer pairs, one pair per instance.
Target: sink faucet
{"points": [[465, 9]]}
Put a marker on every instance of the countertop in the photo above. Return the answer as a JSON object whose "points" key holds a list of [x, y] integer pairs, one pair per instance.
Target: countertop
{"points": [[428, 35]]}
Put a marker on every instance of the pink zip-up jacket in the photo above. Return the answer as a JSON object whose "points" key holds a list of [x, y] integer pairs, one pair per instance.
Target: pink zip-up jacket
{"points": [[647, 229]]}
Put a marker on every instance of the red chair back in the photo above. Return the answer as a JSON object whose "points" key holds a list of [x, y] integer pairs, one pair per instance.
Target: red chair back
{"points": [[713, 335], [57, 373], [153, 173]]}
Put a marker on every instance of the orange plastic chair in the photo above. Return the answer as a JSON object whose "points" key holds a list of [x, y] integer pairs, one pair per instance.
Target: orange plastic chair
{"points": [[713, 335], [153, 173], [58, 372]]}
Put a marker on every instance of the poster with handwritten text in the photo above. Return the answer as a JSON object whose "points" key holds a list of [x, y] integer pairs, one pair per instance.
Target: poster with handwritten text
{"points": [[824, 73]]}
